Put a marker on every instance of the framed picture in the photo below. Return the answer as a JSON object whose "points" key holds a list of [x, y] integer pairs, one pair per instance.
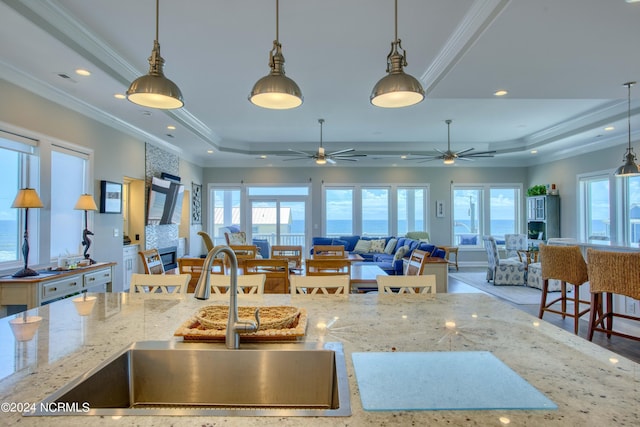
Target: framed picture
{"points": [[110, 197], [196, 203], [440, 208]]}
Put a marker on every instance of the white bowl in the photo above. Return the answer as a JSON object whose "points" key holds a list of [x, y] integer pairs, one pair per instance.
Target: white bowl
{"points": [[22, 330], [84, 306]]}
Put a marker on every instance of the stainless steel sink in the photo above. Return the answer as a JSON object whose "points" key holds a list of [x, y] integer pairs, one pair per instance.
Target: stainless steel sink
{"points": [[177, 378]]}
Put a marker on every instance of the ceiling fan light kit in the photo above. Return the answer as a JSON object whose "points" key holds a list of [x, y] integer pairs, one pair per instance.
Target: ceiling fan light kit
{"points": [[630, 167], [397, 89], [275, 90], [154, 90]]}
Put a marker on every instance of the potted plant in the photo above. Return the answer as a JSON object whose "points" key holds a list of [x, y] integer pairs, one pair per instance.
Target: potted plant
{"points": [[537, 190]]}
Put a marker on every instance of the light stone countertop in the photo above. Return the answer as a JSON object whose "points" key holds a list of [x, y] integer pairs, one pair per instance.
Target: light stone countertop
{"points": [[590, 385]]}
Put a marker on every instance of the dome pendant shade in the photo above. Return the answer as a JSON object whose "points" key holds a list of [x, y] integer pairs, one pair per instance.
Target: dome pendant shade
{"points": [[630, 167], [275, 90], [397, 89], [154, 90]]}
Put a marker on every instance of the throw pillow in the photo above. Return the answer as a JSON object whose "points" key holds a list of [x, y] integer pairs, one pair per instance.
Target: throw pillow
{"points": [[362, 246], [239, 238], [391, 245], [377, 246], [401, 252]]}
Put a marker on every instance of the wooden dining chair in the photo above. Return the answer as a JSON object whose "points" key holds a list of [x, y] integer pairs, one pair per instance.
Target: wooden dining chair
{"points": [[423, 284], [611, 273], [151, 261], [243, 253], [415, 266], [327, 285], [173, 284], [276, 271], [247, 284], [194, 266], [292, 253], [327, 267], [206, 239], [329, 251]]}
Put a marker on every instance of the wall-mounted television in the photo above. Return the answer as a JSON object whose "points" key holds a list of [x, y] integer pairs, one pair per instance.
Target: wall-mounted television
{"points": [[165, 202]]}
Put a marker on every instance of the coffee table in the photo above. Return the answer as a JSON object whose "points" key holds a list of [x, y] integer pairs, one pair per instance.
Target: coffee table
{"points": [[363, 276]]}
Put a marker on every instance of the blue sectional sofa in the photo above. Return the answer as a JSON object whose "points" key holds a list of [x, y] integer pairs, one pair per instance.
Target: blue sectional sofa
{"points": [[385, 259]]}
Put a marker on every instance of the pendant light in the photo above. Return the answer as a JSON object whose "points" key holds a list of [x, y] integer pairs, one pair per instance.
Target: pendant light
{"points": [[629, 168], [154, 90], [396, 89], [275, 90]]}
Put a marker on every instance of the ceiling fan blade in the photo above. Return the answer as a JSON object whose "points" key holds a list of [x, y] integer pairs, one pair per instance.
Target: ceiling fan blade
{"points": [[425, 160], [343, 156], [346, 150], [444, 153], [466, 159], [481, 154], [296, 158], [463, 151], [433, 157], [330, 161], [346, 159], [301, 152]]}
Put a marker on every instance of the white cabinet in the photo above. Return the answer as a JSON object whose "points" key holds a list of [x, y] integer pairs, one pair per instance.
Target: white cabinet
{"points": [[129, 264]]}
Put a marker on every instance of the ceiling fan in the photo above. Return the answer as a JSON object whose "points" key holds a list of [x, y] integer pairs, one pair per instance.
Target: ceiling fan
{"points": [[449, 157], [321, 157]]}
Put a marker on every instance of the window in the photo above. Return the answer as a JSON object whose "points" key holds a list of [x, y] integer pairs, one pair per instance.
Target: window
{"points": [[18, 169], [411, 210], [632, 212], [595, 208], [10, 240], [68, 182], [485, 209], [226, 209], [375, 212], [338, 211]]}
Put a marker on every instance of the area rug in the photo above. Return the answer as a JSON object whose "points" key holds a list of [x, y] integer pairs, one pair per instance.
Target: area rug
{"points": [[515, 294]]}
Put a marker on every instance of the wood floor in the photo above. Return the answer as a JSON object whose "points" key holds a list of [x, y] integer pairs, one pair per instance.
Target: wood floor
{"points": [[622, 346]]}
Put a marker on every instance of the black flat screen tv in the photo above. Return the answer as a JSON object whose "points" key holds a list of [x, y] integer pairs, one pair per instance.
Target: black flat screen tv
{"points": [[165, 202]]}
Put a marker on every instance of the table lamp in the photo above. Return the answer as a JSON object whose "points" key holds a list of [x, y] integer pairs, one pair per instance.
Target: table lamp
{"points": [[86, 203], [26, 198]]}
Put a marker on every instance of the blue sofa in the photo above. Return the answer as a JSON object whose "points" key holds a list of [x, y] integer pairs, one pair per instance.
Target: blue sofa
{"points": [[384, 260]]}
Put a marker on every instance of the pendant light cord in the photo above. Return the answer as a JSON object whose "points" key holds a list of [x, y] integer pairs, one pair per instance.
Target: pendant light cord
{"points": [[157, 17], [277, 21], [396, 26], [629, 111]]}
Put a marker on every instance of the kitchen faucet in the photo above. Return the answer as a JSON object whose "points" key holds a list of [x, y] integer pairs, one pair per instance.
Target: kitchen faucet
{"points": [[203, 291]]}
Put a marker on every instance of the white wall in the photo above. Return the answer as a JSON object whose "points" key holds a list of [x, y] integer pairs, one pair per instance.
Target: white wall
{"points": [[116, 155]]}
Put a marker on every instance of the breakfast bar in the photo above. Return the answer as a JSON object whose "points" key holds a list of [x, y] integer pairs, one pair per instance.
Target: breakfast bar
{"points": [[589, 385]]}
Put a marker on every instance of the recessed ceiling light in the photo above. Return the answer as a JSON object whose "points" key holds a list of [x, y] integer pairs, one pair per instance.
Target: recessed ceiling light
{"points": [[263, 156], [83, 72], [500, 92], [210, 151], [632, 1], [404, 156], [119, 96], [608, 128], [534, 151], [171, 127]]}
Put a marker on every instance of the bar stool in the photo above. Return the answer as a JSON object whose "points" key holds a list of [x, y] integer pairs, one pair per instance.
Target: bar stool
{"points": [[611, 273], [564, 263]]}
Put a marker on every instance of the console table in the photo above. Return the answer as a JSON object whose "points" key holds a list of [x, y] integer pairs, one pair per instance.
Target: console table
{"points": [[50, 285]]}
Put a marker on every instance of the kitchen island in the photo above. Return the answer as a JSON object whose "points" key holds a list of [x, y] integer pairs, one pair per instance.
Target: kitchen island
{"points": [[590, 385]]}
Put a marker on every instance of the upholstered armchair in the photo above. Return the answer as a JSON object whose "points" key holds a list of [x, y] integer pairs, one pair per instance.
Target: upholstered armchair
{"points": [[513, 243], [502, 271]]}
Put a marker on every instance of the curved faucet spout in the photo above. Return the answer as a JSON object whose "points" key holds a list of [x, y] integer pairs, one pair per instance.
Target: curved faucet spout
{"points": [[203, 291]]}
